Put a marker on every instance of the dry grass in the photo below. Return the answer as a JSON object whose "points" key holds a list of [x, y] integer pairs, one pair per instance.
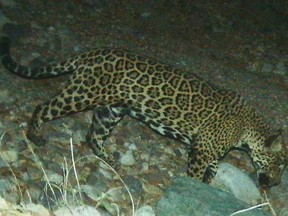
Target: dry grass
{"points": [[65, 187]]}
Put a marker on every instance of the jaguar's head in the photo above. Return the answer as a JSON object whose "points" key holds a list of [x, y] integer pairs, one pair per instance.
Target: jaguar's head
{"points": [[273, 161]]}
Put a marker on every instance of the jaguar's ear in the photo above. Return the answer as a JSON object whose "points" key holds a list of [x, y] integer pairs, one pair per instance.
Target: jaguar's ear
{"points": [[271, 139]]}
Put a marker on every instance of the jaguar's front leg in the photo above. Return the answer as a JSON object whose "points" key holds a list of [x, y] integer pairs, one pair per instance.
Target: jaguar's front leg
{"points": [[211, 171], [202, 164]]}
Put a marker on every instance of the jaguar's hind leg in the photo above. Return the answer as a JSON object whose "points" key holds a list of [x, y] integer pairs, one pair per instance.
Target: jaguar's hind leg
{"points": [[68, 101], [44, 113], [104, 120]]}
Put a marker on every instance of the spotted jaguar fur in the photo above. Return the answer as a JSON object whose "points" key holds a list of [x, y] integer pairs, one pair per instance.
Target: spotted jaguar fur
{"points": [[115, 83]]}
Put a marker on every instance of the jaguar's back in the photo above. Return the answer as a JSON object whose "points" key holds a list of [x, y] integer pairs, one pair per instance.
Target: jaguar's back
{"points": [[176, 104]]}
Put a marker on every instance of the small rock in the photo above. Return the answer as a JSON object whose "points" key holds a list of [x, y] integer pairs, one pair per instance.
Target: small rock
{"points": [[146, 14], [132, 146], [104, 197], [134, 185], [145, 156], [77, 211], [77, 48], [127, 158], [267, 68], [9, 156], [3, 163], [23, 210], [145, 167], [35, 209], [51, 28], [3, 203], [52, 177], [106, 173], [231, 179], [94, 192], [145, 211], [5, 189], [280, 68]]}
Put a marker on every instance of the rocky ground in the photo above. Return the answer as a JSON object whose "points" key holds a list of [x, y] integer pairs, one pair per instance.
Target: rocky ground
{"points": [[237, 45]]}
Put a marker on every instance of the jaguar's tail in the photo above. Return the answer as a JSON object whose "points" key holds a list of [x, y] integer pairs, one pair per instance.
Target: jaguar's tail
{"points": [[32, 72]]}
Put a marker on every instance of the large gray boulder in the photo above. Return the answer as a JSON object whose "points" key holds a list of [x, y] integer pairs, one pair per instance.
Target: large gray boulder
{"points": [[186, 197]]}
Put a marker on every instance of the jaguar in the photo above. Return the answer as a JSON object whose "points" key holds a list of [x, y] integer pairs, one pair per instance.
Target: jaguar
{"points": [[178, 104]]}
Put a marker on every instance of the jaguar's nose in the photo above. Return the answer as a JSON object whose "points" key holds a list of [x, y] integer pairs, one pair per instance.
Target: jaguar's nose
{"points": [[266, 181]]}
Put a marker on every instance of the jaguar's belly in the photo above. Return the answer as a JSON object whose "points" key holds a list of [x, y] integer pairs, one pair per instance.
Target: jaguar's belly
{"points": [[162, 128], [177, 104]]}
